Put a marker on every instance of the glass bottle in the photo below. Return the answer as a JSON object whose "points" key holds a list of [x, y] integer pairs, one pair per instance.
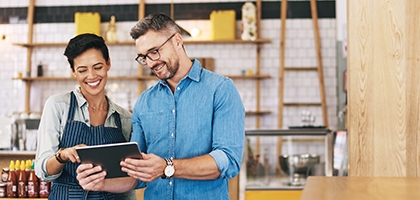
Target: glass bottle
{"points": [[33, 182], [44, 189], [11, 181], [28, 164], [22, 182]]}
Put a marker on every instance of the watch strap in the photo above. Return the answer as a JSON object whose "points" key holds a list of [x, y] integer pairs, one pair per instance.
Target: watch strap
{"points": [[58, 157]]}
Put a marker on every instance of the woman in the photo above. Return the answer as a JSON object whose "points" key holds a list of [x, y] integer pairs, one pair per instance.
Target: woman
{"points": [[84, 116]]}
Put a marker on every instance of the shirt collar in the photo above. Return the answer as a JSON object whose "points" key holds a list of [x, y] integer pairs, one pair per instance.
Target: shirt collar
{"points": [[193, 74], [82, 102]]}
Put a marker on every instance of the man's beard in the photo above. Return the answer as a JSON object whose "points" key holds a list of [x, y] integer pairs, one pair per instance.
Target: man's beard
{"points": [[171, 71]]}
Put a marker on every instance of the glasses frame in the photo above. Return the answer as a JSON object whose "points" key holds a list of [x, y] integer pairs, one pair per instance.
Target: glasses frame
{"points": [[141, 59]]}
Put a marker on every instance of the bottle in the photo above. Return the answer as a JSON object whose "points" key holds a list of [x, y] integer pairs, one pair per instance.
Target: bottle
{"points": [[11, 187], [33, 182], [28, 164], [39, 70], [44, 189], [22, 182], [17, 168]]}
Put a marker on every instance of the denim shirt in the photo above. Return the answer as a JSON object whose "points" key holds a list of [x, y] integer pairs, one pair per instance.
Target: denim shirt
{"points": [[204, 115]]}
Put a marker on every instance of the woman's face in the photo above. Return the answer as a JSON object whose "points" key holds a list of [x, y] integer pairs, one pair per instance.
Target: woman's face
{"points": [[91, 72]]}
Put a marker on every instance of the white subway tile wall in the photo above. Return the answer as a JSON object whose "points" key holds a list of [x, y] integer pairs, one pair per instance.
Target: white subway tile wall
{"points": [[230, 59]]}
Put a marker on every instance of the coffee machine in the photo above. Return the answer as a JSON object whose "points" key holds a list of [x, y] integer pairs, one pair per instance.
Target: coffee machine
{"points": [[24, 133]]}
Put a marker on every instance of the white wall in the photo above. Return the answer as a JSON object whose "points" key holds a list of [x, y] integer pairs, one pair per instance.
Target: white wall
{"points": [[230, 59]]}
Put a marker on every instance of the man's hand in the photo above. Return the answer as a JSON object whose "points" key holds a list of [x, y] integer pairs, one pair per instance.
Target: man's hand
{"points": [[147, 169]]}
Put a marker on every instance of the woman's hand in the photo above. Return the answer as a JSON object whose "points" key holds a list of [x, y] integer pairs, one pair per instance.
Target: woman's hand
{"points": [[70, 154], [90, 177]]}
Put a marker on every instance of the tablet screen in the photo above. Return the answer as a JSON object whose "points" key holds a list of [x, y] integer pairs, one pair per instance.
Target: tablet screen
{"points": [[109, 156]]}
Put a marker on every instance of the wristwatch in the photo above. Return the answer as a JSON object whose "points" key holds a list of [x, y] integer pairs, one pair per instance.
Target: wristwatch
{"points": [[169, 169], [58, 158]]}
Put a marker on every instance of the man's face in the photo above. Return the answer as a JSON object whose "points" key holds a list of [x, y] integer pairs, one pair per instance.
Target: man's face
{"points": [[158, 53]]}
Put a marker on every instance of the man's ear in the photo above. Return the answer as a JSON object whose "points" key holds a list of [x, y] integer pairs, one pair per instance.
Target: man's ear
{"points": [[178, 39]]}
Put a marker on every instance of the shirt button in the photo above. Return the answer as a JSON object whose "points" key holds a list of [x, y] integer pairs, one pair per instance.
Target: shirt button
{"points": [[170, 182], [173, 111], [178, 88], [172, 135]]}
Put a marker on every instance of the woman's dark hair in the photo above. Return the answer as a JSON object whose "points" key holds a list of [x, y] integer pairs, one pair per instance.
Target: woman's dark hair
{"points": [[155, 22], [82, 43]]}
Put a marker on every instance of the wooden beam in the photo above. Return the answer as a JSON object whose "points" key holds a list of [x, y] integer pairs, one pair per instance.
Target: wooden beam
{"points": [[319, 62]]}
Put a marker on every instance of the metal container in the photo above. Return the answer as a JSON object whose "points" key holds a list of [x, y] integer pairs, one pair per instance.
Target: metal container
{"points": [[299, 166]]}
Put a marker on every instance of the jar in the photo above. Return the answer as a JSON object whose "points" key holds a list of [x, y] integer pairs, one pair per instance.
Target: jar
{"points": [[2, 190], [4, 174]]}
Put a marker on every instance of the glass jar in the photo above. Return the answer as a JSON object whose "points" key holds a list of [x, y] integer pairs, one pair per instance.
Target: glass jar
{"points": [[4, 174], [2, 190]]}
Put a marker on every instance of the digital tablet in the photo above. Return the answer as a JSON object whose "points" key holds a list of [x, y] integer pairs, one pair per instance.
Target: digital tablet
{"points": [[109, 156]]}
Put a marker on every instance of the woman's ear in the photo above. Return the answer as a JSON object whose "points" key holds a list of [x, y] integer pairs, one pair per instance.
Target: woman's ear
{"points": [[73, 72], [108, 63]]}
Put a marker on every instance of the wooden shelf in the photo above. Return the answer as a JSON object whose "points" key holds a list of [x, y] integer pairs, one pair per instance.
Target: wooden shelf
{"points": [[300, 69], [186, 41], [72, 78], [249, 76], [302, 104], [260, 112], [59, 44], [17, 153], [192, 41], [146, 77]]}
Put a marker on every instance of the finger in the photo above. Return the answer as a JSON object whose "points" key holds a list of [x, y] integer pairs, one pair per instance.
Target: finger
{"points": [[92, 182], [81, 168], [90, 174]]}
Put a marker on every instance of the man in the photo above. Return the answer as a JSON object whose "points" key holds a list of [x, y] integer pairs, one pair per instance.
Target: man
{"points": [[190, 125]]}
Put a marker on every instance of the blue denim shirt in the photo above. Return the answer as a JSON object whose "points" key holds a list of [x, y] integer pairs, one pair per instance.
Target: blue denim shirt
{"points": [[204, 115]]}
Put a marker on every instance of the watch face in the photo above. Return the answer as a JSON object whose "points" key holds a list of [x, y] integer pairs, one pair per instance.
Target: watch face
{"points": [[169, 171]]}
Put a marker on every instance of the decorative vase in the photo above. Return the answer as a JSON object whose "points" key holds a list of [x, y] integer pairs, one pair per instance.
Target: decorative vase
{"points": [[249, 23], [111, 33]]}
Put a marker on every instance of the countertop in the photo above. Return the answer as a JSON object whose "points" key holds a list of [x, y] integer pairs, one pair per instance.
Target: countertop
{"points": [[361, 188]]}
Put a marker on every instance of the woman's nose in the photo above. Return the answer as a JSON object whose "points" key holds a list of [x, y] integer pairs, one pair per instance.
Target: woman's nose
{"points": [[91, 74]]}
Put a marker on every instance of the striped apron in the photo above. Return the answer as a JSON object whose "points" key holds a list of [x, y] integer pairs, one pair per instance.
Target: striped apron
{"points": [[76, 132]]}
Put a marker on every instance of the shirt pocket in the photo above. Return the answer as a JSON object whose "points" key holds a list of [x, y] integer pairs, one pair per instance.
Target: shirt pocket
{"points": [[152, 124]]}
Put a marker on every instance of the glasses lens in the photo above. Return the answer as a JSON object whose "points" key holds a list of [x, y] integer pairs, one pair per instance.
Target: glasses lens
{"points": [[154, 55], [140, 60]]}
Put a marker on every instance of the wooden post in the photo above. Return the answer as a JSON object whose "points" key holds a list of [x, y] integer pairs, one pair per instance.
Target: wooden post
{"points": [[319, 62], [30, 19]]}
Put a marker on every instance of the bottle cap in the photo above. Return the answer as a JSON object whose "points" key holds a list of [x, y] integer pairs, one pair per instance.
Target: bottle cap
{"points": [[33, 165], [12, 165], [28, 164], [22, 165], [17, 164]]}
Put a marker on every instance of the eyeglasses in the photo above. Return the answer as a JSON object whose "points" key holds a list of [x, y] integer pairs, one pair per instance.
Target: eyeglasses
{"points": [[152, 55]]}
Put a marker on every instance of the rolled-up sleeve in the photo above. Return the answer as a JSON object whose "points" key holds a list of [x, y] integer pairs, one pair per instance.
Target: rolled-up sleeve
{"points": [[49, 131], [228, 130]]}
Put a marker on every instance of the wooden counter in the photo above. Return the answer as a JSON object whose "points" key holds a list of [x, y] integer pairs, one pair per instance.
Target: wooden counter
{"points": [[361, 188]]}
